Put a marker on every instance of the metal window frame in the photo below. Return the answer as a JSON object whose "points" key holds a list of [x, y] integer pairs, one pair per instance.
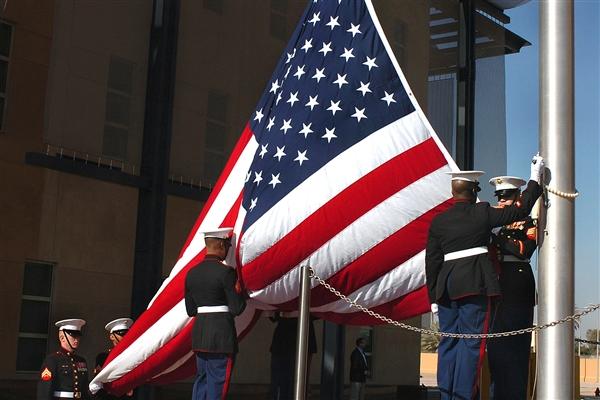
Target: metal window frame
{"points": [[3, 95], [42, 299]]}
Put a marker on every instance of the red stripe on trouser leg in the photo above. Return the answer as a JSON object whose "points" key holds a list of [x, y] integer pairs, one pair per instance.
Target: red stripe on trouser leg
{"points": [[230, 361], [486, 328]]}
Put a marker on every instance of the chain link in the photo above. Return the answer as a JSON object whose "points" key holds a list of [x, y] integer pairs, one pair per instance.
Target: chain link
{"points": [[423, 331], [559, 193]]}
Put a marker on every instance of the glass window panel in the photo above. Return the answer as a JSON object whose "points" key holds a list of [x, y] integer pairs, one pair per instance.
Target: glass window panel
{"points": [[5, 38], [2, 112], [278, 26], [37, 280], [34, 316], [30, 354], [217, 106], [214, 5], [115, 142], [117, 108], [3, 75], [120, 74], [280, 6], [213, 165], [216, 136]]}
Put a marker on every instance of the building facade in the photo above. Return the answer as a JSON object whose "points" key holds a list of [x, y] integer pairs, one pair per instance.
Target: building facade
{"points": [[74, 106]]}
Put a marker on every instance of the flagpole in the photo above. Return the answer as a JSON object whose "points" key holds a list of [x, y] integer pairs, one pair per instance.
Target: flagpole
{"points": [[556, 272], [302, 340]]}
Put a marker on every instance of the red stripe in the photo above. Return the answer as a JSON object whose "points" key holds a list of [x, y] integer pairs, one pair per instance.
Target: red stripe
{"points": [[410, 305], [378, 261], [341, 211], [169, 297], [164, 358], [233, 159], [227, 377], [486, 328], [167, 355]]}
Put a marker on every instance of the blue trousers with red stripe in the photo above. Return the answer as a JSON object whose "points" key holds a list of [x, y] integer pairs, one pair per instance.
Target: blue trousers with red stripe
{"points": [[459, 360], [213, 371]]}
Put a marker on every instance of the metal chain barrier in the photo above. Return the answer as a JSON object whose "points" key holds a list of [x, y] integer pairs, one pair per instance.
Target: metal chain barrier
{"points": [[402, 325]]}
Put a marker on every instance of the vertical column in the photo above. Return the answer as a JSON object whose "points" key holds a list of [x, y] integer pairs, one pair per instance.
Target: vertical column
{"points": [[156, 146], [332, 363], [465, 85], [556, 271], [301, 377]]}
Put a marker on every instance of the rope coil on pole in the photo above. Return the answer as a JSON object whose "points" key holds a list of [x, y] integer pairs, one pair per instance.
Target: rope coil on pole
{"points": [[387, 320]]}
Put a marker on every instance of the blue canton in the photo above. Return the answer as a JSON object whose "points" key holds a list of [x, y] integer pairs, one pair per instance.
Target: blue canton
{"points": [[334, 86]]}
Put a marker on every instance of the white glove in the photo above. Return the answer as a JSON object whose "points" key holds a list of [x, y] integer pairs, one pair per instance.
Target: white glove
{"points": [[434, 308], [537, 167]]}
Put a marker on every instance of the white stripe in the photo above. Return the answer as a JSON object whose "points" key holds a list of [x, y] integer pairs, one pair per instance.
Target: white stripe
{"points": [[153, 339], [331, 179], [363, 234], [405, 278], [225, 199], [145, 345], [406, 86]]}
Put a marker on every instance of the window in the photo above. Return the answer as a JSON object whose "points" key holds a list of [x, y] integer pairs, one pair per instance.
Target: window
{"points": [[278, 25], [214, 6], [118, 108], [215, 138], [5, 45], [35, 313], [399, 42]]}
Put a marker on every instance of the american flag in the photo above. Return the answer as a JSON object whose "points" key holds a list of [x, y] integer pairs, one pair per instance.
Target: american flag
{"points": [[338, 169]]}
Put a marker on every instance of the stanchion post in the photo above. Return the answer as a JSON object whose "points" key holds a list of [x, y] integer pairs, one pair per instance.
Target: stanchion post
{"points": [[302, 341]]}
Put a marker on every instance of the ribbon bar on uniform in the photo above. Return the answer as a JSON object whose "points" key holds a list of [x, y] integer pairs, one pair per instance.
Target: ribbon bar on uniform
{"points": [[212, 309], [465, 253]]}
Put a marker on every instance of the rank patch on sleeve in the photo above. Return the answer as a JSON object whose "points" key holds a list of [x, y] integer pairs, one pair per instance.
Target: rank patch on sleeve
{"points": [[46, 374]]}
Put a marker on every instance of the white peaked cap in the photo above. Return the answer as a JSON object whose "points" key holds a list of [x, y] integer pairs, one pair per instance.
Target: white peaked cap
{"points": [[507, 182], [469, 176], [70, 324], [119, 324], [221, 233]]}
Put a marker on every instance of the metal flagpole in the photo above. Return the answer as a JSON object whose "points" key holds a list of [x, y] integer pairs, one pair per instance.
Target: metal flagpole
{"points": [[302, 342], [556, 272]]}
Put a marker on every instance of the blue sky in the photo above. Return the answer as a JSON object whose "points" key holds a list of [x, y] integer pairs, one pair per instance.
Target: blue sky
{"points": [[522, 131]]}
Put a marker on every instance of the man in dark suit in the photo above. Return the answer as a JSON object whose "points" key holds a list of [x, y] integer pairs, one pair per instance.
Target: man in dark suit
{"points": [[64, 374], [211, 297], [461, 277], [283, 354], [515, 244], [358, 370]]}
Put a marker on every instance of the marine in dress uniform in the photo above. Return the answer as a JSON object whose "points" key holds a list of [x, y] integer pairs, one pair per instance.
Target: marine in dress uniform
{"points": [[461, 277], [509, 357], [64, 374], [213, 297], [116, 330]]}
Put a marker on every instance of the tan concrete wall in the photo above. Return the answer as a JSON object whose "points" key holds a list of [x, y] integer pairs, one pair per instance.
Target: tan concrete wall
{"points": [[21, 187], [86, 34]]}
